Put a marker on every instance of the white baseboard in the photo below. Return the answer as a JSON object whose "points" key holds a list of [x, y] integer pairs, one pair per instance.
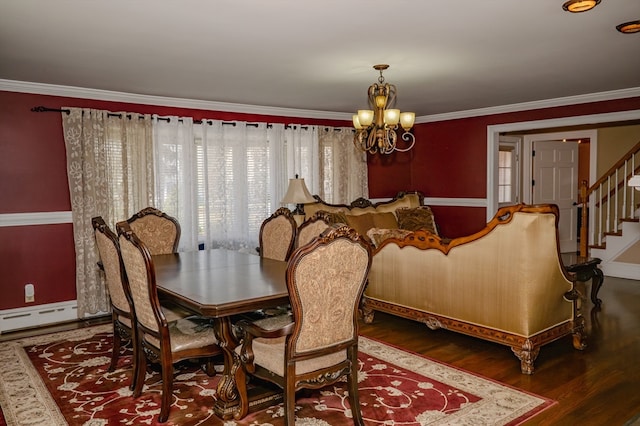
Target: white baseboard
{"points": [[629, 271], [38, 315]]}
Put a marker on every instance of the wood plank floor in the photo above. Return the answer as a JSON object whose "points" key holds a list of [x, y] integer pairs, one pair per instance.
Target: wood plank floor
{"points": [[598, 386]]}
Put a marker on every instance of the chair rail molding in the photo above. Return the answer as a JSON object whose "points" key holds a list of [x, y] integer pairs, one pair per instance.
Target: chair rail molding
{"points": [[37, 218]]}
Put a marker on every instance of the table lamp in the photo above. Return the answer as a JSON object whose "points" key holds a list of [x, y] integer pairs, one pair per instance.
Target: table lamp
{"points": [[298, 194]]}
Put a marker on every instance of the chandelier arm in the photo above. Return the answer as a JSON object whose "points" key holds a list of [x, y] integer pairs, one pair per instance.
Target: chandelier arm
{"points": [[407, 136]]}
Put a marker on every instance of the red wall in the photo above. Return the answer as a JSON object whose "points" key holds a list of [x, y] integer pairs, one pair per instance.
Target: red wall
{"points": [[448, 161]]}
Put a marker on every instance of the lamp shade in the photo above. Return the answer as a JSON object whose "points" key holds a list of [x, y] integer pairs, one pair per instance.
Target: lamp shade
{"points": [[634, 181], [297, 193]]}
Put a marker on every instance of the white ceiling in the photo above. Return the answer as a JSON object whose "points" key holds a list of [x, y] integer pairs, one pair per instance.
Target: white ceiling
{"points": [[318, 55]]}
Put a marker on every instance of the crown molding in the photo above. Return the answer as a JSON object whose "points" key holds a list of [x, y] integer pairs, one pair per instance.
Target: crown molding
{"points": [[106, 95], [525, 106]]}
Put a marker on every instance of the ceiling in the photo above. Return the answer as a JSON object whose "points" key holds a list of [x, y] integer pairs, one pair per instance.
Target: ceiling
{"points": [[444, 56]]}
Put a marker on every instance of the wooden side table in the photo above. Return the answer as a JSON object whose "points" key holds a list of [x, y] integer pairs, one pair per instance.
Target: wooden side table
{"points": [[586, 268]]}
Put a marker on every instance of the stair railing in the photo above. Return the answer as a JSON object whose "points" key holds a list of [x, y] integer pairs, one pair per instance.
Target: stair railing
{"points": [[608, 202]]}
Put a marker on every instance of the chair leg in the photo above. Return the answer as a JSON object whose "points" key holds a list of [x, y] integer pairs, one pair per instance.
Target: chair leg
{"points": [[290, 400], [135, 362], [141, 370], [115, 350], [167, 389], [352, 385]]}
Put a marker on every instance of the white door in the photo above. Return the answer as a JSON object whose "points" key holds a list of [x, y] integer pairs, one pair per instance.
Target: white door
{"points": [[555, 181]]}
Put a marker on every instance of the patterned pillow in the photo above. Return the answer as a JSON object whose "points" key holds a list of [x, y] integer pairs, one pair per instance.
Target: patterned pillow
{"points": [[378, 235], [333, 217], [416, 218]]}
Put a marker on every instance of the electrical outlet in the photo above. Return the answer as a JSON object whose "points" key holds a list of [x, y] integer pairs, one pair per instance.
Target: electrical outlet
{"points": [[29, 293]]}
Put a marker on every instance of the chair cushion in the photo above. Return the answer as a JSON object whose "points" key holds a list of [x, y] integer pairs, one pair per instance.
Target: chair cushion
{"points": [[175, 312], [188, 333], [269, 354], [416, 218], [275, 322]]}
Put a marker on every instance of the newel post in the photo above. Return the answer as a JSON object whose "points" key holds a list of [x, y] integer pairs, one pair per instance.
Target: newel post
{"points": [[585, 217]]}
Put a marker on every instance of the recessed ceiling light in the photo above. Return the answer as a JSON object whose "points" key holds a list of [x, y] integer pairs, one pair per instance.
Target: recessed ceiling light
{"points": [[576, 6], [629, 27]]}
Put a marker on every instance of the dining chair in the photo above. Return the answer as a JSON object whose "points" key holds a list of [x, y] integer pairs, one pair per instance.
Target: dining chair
{"points": [[277, 235], [122, 312], [157, 230], [325, 281], [312, 228], [159, 340], [161, 234]]}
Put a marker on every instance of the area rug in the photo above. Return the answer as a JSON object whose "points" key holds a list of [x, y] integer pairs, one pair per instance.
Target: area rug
{"points": [[62, 379]]}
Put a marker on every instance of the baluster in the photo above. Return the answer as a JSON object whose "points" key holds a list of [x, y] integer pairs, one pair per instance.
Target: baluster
{"points": [[624, 192], [600, 220], [608, 195], [616, 190], [633, 192]]}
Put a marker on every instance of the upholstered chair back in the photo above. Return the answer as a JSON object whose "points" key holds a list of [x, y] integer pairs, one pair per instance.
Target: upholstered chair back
{"points": [[109, 251], [159, 232], [311, 229], [325, 280], [137, 263], [277, 235]]}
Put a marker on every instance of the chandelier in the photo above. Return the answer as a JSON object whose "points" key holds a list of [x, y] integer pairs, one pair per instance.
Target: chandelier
{"points": [[376, 128]]}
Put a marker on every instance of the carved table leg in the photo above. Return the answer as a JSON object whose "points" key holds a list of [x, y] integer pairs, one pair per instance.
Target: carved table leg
{"points": [[227, 393]]}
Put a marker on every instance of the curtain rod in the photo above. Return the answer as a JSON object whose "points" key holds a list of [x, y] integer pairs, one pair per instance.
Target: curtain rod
{"points": [[167, 119]]}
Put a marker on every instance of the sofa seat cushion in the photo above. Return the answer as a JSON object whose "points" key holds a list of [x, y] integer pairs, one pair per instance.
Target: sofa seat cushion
{"points": [[416, 218]]}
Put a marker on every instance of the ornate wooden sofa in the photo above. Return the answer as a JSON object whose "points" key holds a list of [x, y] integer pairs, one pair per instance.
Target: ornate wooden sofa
{"points": [[505, 284]]}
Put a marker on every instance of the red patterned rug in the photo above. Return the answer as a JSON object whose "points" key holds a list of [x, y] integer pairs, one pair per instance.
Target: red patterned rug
{"points": [[62, 379]]}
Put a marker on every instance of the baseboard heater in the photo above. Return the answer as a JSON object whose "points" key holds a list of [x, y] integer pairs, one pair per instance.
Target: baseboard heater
{"points": [[37, 316]]}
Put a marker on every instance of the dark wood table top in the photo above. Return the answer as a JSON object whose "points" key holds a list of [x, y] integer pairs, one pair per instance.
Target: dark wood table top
{"points": [[218, 283]]}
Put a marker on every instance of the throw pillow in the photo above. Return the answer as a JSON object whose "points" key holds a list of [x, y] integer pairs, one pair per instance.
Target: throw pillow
{"points": [[333, 217], [385, 220], [378, 235], [361, 223], [416, 218]]}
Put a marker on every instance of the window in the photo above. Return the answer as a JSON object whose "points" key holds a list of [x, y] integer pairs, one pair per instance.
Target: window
{"points": [[508, 171]]}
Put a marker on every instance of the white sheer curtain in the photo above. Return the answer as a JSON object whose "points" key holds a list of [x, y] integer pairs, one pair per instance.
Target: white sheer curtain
{"points": [[219, 179], [175, 154], [302, 156], [343, 167], [110, 172]]}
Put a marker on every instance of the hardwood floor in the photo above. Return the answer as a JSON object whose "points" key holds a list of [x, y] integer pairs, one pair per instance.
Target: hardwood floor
{"points": [[598, 386]]}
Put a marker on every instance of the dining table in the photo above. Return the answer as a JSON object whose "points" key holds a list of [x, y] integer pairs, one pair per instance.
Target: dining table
{"points": [[221, 284]]}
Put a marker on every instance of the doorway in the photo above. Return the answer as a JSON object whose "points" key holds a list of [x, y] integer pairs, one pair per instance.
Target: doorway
{"points": [[552, 176]]}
